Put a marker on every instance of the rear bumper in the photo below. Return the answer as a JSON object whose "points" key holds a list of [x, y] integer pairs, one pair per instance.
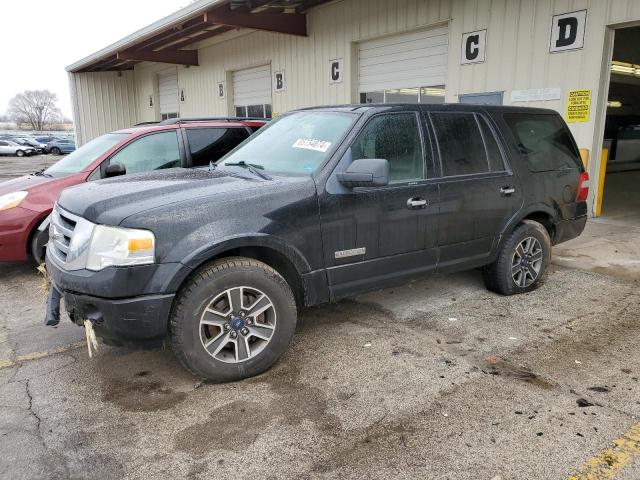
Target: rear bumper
{"points": [[569, 229], [15, 226]]}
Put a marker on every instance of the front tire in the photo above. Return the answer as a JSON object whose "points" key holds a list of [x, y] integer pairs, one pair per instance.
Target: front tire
{"points": [[522, 261], [56, 151], [19, 153], [232, 319]]}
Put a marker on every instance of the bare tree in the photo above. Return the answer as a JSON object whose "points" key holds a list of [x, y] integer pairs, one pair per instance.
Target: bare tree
{"points": [[36, 108]]}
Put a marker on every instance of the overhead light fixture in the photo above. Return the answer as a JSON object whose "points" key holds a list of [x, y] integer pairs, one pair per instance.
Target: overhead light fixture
{"points": [[624, 68], [614, 104]]}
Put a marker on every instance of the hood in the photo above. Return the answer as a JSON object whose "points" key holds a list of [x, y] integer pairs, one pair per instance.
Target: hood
{"points": [[23, 183], [110, 201]]}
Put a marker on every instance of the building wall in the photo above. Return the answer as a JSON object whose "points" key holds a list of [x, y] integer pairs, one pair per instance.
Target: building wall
{"points": [[517, 58], [102, 102]]}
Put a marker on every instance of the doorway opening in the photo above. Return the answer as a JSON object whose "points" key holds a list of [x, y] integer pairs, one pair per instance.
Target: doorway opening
{"points": [[621, 195]]}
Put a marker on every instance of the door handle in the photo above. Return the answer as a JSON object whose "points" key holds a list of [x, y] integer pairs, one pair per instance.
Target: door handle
{"points": [[507, 190], [416, 202]]}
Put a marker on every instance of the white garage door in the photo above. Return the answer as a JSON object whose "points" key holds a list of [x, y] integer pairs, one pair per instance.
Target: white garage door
{"points": [[411, 67], [168, 88], [252, 92]]}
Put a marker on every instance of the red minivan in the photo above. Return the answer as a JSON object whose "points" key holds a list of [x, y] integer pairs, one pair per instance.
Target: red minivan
{"points": [[26, 201]]}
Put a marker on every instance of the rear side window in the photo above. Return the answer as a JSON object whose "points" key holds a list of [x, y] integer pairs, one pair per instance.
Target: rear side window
{"points": [[464, 149], [211, 144], [544, 141]]}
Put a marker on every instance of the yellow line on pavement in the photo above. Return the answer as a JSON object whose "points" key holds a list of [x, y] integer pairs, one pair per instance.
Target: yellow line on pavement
{"points": [[613, 459], [8, 363]]}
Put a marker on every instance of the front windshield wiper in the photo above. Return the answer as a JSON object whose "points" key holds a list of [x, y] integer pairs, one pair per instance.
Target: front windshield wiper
{"points": [[252, 167], [40, 173]]}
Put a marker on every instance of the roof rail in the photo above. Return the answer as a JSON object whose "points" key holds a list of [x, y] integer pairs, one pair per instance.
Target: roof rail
{"points": [[174, 121], [145, 123]]}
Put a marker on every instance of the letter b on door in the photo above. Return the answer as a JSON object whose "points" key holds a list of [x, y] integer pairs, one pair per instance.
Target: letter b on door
{"points": [[567, 31]]}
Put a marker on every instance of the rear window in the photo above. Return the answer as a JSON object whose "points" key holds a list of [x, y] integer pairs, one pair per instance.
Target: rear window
{"points": [[544, 141]]}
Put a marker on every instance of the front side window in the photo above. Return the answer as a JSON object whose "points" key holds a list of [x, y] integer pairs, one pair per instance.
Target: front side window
{"points": [[297, 143], [544, 141], [211, 144], [462, 151], [152, 152], [395, 138]]}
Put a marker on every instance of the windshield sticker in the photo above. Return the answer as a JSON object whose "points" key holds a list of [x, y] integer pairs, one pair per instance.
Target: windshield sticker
{"points": [[312, 144]]}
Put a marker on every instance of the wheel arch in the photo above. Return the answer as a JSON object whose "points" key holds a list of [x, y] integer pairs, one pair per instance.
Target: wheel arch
{"points": [[283, 258]]}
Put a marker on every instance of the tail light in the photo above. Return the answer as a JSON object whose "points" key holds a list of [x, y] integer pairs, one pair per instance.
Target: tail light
{"points": [[583, 187]]}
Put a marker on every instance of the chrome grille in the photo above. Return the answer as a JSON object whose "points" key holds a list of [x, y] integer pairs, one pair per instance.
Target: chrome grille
{"points": [[69, 236]]}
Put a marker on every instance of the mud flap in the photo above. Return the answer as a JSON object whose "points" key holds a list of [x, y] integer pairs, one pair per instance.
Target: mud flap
{"points": [[52, 316]]}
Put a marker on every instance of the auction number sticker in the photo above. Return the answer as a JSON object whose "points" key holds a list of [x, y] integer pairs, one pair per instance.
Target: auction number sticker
{"points": [[312, 144]]}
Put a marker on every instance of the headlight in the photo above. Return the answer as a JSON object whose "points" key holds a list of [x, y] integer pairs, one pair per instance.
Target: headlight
{"points": [[11, 200], [114, 246]]}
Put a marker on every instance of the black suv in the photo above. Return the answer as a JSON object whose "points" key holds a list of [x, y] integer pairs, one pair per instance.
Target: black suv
{"points": [[320, 204]]}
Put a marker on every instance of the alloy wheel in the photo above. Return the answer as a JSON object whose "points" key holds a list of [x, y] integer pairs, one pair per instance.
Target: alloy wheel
{"points": [[526, 262], [237, 324]]}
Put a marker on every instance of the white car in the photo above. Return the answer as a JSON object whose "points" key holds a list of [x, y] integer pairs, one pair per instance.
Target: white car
{"points": [[8, 147]]}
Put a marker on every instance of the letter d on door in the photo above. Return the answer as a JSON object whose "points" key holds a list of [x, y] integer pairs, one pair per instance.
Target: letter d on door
{"points": [[567, 31]]}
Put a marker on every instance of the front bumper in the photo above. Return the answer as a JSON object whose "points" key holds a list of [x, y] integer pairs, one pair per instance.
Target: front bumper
{"points": [[125, 304]]}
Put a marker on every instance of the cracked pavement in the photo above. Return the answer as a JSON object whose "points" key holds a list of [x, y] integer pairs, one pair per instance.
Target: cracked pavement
{"points": [[437, 379]]}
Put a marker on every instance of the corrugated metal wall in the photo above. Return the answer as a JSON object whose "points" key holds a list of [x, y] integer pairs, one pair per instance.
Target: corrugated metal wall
{"points": [[102, 102], [517, 57]]}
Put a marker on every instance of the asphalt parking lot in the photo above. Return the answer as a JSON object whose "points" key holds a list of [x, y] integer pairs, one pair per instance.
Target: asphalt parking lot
{"points": [[438, 379]]}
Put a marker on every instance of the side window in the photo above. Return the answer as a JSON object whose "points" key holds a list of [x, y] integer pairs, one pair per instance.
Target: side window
{"points": [[211, 144], [543, 140], [396, 138], [3, 144], [462, 150], [152, 152], [496, 162]]}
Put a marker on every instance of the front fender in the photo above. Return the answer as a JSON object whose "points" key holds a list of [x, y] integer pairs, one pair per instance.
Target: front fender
{"points": [[207, 252]]}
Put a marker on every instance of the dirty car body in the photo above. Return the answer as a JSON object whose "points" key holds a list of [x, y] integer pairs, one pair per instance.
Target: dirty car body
{"points": [[374, 197]]}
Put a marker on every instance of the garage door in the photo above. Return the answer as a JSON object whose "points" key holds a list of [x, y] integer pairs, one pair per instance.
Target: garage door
{"points": [[252, 92], [411, 67], [168, 87]]}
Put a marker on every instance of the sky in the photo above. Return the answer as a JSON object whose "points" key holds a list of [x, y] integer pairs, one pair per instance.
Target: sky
{"points": [[39, 38]]}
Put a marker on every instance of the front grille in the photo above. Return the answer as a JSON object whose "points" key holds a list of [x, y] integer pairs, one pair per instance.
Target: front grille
{"points": [[62, 227]]}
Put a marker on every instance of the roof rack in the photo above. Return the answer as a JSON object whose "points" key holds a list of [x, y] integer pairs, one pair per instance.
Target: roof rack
{"points": [[174, 121]]}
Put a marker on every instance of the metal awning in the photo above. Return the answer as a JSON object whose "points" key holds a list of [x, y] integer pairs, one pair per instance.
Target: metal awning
{"points": [[166, 41]]}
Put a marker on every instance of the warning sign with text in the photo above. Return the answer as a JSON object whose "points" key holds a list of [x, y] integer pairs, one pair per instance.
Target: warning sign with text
{"points": [[578, 105]]}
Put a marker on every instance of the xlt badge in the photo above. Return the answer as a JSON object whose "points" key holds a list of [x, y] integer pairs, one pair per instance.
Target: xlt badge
{"points": [[351, 253]]}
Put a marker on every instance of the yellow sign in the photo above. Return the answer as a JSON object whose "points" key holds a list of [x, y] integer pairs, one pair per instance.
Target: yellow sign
{"points": [[578, 105]]}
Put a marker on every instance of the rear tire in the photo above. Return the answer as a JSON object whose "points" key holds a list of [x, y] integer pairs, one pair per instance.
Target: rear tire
{"points": [[249, 316], [522, 261]]}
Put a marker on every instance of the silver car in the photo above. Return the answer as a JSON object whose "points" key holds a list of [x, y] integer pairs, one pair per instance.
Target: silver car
{"points": [[8, 147]]}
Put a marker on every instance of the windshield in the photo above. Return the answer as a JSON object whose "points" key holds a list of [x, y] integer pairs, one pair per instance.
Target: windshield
{"points": [[297, 143], [81, 158]]}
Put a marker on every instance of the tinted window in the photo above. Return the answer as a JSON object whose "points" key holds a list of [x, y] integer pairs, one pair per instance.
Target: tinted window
{"points": [[544, 141], [211, 144], [152, 152], [3, 144], [396, 138], [496, 163], [462, 150]]}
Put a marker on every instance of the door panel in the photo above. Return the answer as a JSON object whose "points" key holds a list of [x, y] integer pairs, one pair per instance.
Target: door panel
{"points": [[478, 191], [375, 236]]}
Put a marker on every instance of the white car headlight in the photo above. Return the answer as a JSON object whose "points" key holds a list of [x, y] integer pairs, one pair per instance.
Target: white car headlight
{"points": [[11, 200], [115, 246]]}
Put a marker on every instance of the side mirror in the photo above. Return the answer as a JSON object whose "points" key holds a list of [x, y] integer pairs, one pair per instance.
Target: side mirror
{"points": [[365, 172], [115, 169]]}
